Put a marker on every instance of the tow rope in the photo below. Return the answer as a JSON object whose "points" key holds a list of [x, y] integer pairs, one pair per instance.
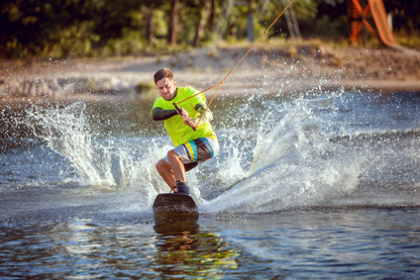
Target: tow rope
{"points": [[233, 69]]}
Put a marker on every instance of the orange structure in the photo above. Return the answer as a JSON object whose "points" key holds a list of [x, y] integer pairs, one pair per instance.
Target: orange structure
{"points": [[358, 12]]}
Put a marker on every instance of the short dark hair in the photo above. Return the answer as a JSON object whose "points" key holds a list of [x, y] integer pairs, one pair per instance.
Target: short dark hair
{"points": [[163, 73]]}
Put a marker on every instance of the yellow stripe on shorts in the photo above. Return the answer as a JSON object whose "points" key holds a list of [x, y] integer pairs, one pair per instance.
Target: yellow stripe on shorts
{"points": [[191, 149]]}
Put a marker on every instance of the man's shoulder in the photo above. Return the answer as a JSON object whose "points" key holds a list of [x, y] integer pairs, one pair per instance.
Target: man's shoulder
{"points": [[188, 90], [160, 102]]}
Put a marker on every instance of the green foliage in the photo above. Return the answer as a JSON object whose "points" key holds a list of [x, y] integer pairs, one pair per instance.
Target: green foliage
{"points": [[146, 90], [324, 19], [130, 43], [327, 28], [144, 87], [412, 40], [80, 28]]}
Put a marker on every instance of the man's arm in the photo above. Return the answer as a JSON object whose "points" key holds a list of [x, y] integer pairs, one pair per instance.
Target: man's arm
{"points": [[158, 114], [201, 107]]}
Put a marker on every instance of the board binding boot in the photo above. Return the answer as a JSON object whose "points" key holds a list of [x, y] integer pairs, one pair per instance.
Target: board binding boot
{"points": [[182, 188]]}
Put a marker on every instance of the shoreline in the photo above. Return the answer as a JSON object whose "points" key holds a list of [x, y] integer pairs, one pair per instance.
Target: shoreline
{"points": [[364, 86], [269, 71]]}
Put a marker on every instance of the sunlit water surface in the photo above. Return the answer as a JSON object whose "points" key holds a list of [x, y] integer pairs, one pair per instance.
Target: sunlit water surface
{"points": [[314, 186]]}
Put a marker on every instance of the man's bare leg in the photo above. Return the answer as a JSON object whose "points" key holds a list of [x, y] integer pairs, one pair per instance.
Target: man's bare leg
{"points": [[165, 172], [172, 171], [178, 169]]}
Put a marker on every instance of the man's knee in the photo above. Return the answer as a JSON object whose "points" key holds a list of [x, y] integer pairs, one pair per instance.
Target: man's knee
{"points": [[162, 165], [172, 154]]}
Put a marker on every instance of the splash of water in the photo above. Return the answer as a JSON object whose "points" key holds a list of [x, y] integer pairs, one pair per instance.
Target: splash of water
{"points": [[293, 166], [259, 169], [66, 131], [276, 154], [106, 163]]}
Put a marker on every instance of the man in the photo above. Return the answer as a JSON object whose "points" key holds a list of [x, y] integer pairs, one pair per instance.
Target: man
{"points": [[192, 147]]}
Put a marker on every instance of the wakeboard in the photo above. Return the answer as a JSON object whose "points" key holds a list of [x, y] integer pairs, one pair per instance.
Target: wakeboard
{"points": [[169, 207]]}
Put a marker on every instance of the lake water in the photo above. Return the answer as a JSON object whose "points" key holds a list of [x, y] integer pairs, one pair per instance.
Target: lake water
{"points": [[315, 186]]}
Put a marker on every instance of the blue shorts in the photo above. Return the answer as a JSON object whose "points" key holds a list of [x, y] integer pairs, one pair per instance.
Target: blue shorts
{"points": [[196, 152]]}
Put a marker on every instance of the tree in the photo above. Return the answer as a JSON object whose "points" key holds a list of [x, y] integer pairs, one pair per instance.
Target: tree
{"points": [[173, 22], [205, 15], [149, 24]]}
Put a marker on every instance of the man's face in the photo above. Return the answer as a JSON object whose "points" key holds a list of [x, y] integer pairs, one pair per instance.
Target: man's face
{"points": [[166, 88]]}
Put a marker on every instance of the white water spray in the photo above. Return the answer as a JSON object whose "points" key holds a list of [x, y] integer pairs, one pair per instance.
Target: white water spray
{"points": [[293, 166], [99, 162]]}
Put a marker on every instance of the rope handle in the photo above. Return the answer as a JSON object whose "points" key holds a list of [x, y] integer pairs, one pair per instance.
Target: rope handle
{"points": [[179, 111]]}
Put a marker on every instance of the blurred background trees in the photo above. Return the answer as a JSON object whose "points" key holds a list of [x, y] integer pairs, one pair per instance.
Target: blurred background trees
{"points": [[86, 28]]}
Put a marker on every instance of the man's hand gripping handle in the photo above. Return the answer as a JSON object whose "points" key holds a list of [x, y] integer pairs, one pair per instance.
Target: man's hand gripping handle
{"points": [[180, 112]]}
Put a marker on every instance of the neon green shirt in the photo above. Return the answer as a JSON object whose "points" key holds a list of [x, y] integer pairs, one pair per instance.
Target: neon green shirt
{"points": [[179, 132]]}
